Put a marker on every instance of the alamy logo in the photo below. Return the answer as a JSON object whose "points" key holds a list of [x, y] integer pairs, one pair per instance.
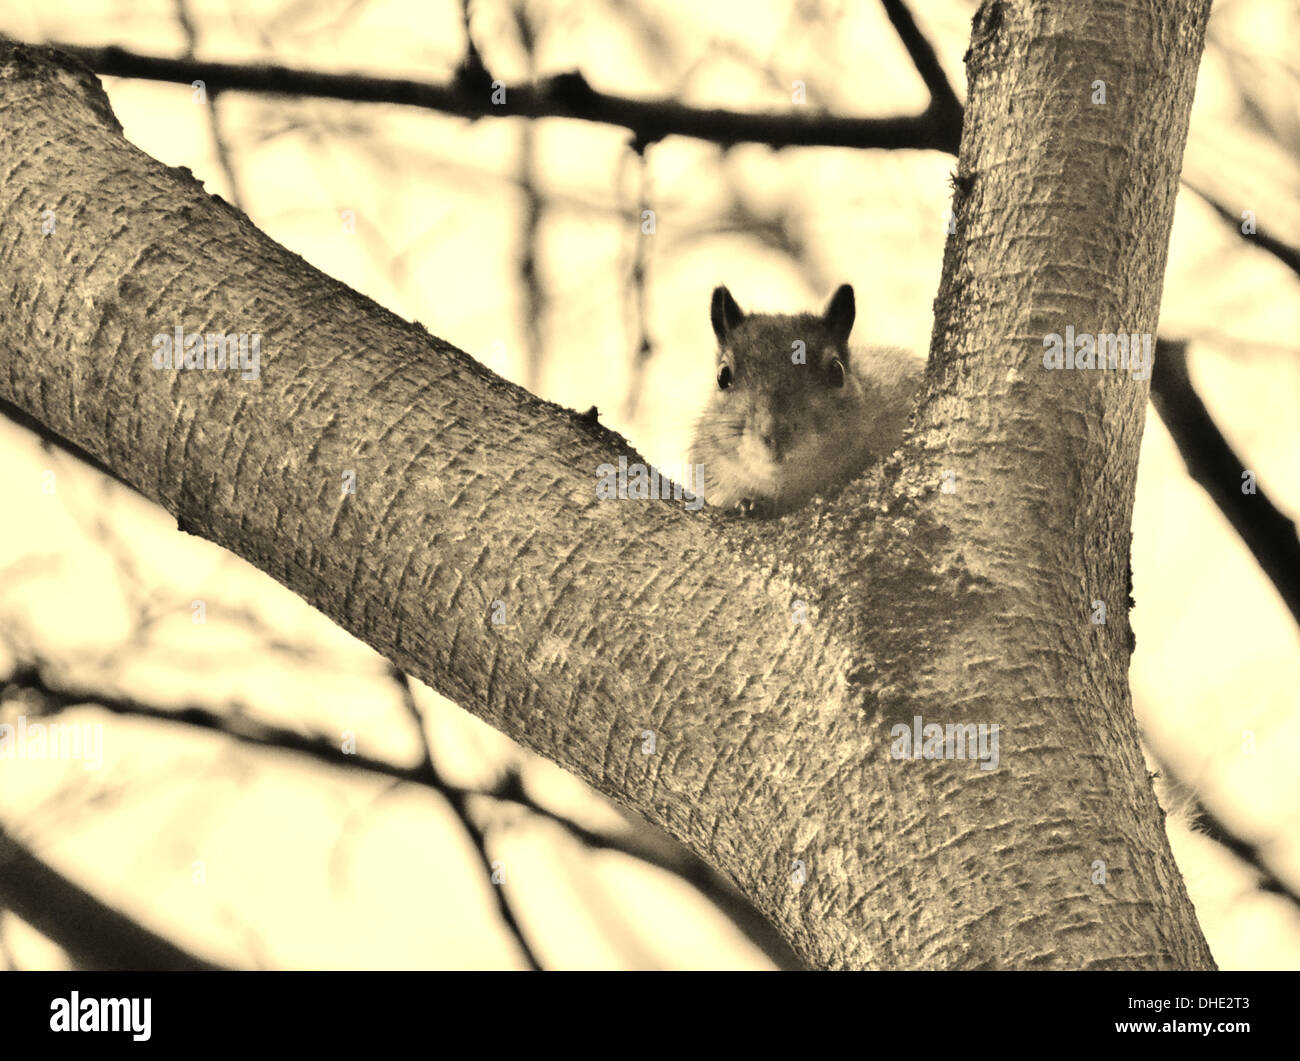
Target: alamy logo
{"points": [[77, 1014], [55, 740], [216, 350], [1111, 351], [929, 740], [637, 482]]}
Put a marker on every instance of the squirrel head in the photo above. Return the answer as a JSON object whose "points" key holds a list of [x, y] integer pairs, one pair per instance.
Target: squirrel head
{"points": [[785, 418], [781, 377], [789, 415]]}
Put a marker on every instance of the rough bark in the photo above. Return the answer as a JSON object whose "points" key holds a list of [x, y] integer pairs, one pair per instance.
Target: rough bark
{"points": [[773, 736]]}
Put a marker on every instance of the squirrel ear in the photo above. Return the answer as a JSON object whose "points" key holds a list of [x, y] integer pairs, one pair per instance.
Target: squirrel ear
{"points": [[724, 313], [840, 312]]}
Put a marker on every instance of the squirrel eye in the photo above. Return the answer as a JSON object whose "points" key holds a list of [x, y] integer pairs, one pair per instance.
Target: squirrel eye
{"points": [[724, 378], [835, 372]]}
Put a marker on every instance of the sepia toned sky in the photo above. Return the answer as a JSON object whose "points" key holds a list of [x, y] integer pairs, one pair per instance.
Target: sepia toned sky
{"points": [[259, 858]]}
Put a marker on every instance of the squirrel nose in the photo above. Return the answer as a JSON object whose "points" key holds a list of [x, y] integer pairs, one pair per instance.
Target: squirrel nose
{"points": [[770, 434]]}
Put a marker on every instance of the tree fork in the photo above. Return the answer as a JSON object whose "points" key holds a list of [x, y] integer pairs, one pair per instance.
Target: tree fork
{"points": [[954, 584]]}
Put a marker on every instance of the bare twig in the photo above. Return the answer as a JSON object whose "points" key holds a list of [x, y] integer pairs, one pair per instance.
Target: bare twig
{"points": [[534, 310], [944, 104], [637, 311], [1283, 252], [1267, 533], [1207, 823], [190, 28], [458, 800]]}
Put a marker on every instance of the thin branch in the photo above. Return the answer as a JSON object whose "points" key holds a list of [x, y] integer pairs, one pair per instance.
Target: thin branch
{"points": [[670, 856], [944, 104], [458, 800], [1283, 252], [239, 725], [189, 27], [471, 69], [94, 935], [1205, 822], [561, 96], [1268, 534], [637, 311], [534, 310]]}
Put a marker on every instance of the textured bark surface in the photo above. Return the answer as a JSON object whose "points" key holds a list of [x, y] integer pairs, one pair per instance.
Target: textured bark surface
{"points": [[773, 736]]}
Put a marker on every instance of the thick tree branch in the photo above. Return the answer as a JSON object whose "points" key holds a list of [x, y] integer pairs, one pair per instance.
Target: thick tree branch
{"points": [[561, 96]]}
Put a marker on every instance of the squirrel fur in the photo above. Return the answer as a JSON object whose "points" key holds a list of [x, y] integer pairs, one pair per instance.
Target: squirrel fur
{"points": [[795, 411]]}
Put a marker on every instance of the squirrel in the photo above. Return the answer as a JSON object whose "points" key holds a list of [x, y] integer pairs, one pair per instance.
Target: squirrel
{"points": [[795, 412]]}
